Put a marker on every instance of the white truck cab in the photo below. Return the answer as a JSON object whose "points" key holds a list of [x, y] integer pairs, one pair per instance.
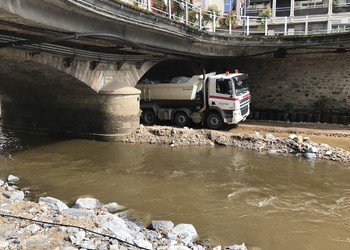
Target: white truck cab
{"points": [[229, 93]]}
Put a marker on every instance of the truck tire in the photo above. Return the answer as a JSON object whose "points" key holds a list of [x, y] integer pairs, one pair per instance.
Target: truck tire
{"points": [[148, 117], [181, 119], [214, 121]]}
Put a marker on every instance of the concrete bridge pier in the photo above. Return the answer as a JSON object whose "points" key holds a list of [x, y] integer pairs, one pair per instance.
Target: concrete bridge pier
{"points": [[100, 117], [43, 94]]}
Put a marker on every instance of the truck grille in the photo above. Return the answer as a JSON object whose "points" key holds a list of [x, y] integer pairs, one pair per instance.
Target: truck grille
{"points": [[244, 110], [244, 100]]}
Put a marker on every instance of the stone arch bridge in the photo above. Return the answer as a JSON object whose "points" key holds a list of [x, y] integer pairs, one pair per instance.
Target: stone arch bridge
{"points": [[70, 66]]}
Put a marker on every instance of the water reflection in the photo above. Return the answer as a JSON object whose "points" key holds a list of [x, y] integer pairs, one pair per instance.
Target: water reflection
{"points": [[229, 195]]}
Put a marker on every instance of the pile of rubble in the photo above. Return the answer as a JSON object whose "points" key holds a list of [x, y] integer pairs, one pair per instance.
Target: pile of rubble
{"points": [[293, 144]]}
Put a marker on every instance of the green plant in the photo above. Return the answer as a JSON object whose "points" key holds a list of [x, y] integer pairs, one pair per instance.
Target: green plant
{"points": [[192, 16], [225, 21], [208, 14], [177, 8], [159, 7], [264, 13]]}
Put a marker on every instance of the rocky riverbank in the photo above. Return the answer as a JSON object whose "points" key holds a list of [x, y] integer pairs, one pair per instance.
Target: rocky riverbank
{"points": [[293, 144], [51, 224]]}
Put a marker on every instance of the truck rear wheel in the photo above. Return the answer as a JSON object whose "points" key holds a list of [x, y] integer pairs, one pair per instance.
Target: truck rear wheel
{"points": [[181, 119], [148, 117], [214, 121]]}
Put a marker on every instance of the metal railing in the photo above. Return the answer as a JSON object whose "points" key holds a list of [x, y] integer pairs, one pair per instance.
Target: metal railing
{"points": [[218, 22], [212, 20]]}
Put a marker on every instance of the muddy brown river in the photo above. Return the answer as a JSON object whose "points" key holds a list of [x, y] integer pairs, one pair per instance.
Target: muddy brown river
{"points": [[229, 195]]}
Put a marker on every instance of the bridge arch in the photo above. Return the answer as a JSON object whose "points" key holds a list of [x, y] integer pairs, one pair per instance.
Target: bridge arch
{"points": [[44, 92]]}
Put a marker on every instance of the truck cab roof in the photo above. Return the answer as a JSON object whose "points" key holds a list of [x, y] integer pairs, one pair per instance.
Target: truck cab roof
{"points": [[231, 75]]}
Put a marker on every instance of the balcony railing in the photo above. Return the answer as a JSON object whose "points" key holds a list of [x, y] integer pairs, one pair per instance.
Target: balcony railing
{"points": [[300, 23]]}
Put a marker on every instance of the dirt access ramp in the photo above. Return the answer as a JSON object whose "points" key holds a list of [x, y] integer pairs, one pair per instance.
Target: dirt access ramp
{"points": [[318, 129], [336, 135]]}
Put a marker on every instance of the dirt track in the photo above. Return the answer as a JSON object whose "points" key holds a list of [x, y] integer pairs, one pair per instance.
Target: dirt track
{"points": [[317, 129], [336, 135]]}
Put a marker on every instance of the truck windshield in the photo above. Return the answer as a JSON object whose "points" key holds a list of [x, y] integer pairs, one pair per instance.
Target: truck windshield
{"points": [[241, 85]]}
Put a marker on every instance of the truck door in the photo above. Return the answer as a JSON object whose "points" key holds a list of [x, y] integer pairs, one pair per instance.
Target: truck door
{"points": [[221, 94]]}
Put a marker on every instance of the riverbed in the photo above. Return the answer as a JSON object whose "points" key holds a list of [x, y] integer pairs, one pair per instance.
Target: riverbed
{"points": [[229, 195]]}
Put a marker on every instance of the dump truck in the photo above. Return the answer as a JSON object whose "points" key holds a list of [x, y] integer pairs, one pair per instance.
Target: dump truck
{"points": [[211, 100]]}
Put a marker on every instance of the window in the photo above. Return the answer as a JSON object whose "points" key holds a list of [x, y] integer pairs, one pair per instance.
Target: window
{"points": [[224, 86], [241, 86], [340, 28], [229, 5]]}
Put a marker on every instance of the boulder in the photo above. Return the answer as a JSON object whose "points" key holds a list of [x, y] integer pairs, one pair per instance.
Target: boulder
{"points": [[17, 196], [187, 232], [54, 202], [78, 237], [270, 137], [179, 248], [87, 203], [3, 244], [115, 225], [78, 212], [144, 244], [113, 207], [237, 247], [310, 156], [33, 228], [12, 179], [87, 244], [162, 225]]}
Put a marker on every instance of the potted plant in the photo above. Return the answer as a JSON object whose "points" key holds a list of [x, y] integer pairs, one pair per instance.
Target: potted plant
{"points": [[178, 8], [225, 21], [159, 7], [192, 17], [208, 15], [264, 13]]}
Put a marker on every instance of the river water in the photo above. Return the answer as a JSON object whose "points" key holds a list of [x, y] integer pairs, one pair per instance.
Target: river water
{"points": [[229, 195]]}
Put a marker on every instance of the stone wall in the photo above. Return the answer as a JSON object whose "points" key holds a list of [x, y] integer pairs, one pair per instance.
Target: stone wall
{"points": [[309, 82]]}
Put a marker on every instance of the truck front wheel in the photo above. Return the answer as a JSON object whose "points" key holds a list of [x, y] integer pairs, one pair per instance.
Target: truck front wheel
{"points": [[214, 121], [148, 117], [181, 119]]}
